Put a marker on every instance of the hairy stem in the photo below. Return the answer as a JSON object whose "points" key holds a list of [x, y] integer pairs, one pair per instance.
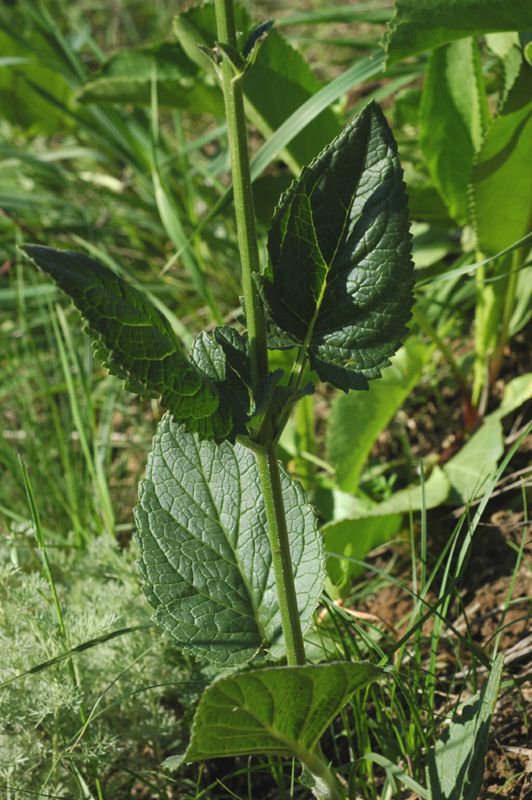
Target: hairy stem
{"points": [[327, 785], [280, 548], [508, 310], [243, 196], [247, 240]]}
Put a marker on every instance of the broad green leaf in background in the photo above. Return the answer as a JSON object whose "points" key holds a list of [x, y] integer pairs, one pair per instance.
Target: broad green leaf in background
{"points": [[279, 82], [135, 341], [516, 392], [128, 75], [275, 711], [355, 538], [425, 202], [420, 25], [415, 498], [507, 47], [522, 313], [341, 276], [360, 526], [469, 470], [455, 765], [356, 419], [205, 553], [502, 189], [453, 119]]}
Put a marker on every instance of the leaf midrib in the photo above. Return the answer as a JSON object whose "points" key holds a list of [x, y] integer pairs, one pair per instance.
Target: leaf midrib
{"points": [[216, 516], [340, 239]]}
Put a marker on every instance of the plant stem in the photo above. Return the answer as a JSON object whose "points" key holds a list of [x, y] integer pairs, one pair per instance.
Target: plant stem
{"points": [[327, 785], [243, 196], [280, 548], [508, 310], [249, 253], [479, 367]]}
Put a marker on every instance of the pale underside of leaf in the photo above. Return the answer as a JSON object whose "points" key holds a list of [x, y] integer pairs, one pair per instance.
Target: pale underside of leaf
{"points": [[453, 119], [205, 552], [278, 710]]}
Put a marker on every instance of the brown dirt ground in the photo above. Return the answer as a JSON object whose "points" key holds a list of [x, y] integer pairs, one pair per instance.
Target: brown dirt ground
{"points": [[488, 580]]}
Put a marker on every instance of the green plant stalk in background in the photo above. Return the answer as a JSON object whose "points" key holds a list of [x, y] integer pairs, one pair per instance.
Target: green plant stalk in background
{"points": [[266, 454]]}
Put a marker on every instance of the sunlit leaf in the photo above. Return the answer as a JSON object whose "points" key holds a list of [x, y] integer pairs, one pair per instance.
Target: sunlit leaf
{"points": [[341, 275], [205, 553]]}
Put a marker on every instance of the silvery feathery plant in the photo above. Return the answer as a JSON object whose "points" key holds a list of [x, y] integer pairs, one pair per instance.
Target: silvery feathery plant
{"points": [[231, 558]]}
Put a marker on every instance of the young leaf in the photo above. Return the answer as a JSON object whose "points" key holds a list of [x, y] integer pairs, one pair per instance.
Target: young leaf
{"points": [[456, 765], [274, 711], [341, 275], [133, 339], [223, 357], [453, 119], [418, 26], [277, 84], [501, 217], [357, 419], [205, 553]]}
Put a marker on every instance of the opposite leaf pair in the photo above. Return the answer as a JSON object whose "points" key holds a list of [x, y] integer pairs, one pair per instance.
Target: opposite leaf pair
{"points": [[339, 286]]}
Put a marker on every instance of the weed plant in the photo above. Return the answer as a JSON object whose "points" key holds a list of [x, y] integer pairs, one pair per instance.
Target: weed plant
{"points": [[93, 696]]}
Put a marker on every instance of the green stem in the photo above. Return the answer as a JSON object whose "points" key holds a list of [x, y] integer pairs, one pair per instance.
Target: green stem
{"points": [[243, 195], [508, 310], [280, 548], [249, 253], [327, 786], [479, 367]]}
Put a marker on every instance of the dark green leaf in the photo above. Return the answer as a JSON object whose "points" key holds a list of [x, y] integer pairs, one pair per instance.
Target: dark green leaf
{"points": [[341, 274], [278, 710], [133, 339], [453, 119], [205, 553], [502, 189], [256, 37], [420, 25], [223, 357]]}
